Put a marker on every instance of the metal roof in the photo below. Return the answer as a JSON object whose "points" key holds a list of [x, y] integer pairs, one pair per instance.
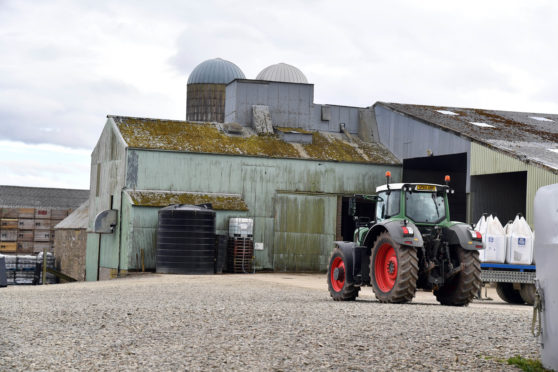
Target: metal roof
{"points": [[31, 197], [530, 137], [215, 71], [182, 136], [78, 219], [282, 72]]}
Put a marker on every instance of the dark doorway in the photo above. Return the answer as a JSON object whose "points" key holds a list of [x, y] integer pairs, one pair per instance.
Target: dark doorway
{"points": [[432, 169], [500, 194], [364, 208]]}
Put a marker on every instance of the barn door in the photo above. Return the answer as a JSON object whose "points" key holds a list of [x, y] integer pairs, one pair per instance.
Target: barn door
{"points": [[304, 231]]}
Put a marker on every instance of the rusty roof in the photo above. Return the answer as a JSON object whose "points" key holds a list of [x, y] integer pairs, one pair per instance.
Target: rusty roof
{"points": [[183, 136], [526, 136]]}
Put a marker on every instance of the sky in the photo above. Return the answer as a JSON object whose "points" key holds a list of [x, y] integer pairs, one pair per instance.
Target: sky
{"points": [[66, 65]]}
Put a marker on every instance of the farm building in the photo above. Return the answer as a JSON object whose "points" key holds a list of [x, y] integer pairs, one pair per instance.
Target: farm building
{"points": [[28, 216], [279, 158], [70, 242], [497, 159]]}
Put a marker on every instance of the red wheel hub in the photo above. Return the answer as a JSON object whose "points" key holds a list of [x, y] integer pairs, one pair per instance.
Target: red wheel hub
{"points": [[385, 267], [337, 274]]}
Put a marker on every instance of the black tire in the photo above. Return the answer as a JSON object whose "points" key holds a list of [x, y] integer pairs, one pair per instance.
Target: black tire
{"points": [[394, 273], [464, 286], [509, 294], [339, 288], [527, 293]]}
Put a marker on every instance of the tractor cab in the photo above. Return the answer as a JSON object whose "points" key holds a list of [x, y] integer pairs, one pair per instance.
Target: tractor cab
{"points": [[423, 204]]}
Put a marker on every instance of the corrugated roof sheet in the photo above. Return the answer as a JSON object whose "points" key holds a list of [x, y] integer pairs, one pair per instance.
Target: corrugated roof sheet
{"points": [[31, 197], [78, 219], [152, 198], [210, 138], [215, 71], [527, 136]]}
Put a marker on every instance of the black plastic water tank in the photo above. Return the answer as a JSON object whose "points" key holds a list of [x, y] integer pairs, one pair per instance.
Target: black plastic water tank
{"points": [[186, 240]]}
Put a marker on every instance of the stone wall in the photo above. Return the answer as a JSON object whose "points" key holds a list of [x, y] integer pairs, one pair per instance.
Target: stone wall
{"points": [[69, 251]]}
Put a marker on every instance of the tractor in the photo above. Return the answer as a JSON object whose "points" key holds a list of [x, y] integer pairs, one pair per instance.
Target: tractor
{"points": [[411, 244]]}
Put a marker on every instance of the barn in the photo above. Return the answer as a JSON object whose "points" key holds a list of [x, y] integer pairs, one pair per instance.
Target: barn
{"points": [[497, 159]]}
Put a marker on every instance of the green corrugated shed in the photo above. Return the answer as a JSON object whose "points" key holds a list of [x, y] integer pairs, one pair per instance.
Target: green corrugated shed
{"points": [[290, 190]]}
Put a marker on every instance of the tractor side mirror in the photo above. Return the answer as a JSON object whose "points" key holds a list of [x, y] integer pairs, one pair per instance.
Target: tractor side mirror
{"points": [[352, 206]]}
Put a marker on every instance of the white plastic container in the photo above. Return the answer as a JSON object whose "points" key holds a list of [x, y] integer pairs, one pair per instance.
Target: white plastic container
{"points": [[481, 227], [241, 227], [495, 243], [520, 244], [546, 221]]}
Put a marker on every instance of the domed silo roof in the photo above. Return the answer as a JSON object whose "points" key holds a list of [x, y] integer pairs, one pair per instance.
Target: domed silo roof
{"points": [[215, 71], [282, 72]]}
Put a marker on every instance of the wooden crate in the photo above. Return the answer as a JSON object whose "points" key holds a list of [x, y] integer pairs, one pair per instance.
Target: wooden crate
{"points": [[25, 236], [42, 224], [26, 213], [42, 235], [8, 247], [8, 223], [42, 213], [58, 214], [10, 212], [39, 247], [25, 247], [8, 235], [26, 224]]}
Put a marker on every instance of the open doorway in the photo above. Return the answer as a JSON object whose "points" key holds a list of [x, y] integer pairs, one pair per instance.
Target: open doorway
{"points": [[432, 169], [364, 208], [500, 194]]}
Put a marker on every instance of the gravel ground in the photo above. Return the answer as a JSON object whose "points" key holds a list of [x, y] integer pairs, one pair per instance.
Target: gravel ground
{"points": [[249, 322]]}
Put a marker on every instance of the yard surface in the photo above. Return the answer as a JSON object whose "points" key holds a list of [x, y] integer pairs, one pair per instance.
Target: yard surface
{"points": [[277, 322]]}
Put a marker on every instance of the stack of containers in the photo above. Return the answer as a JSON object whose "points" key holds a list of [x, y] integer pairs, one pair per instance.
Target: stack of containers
{"points": [[8, 230], [240, 252], [29, 230], [519, 242], [22, 269]]}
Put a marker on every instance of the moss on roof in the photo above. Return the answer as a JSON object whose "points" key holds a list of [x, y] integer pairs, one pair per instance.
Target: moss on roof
{"points": [[164, 198], [207, 138]]}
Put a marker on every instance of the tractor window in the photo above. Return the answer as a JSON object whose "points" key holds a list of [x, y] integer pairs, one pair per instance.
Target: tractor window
{"points": [[389, 206], [425, 207]]}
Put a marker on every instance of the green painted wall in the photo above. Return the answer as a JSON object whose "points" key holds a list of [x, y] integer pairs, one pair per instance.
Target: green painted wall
{"points": [[259, 181]]}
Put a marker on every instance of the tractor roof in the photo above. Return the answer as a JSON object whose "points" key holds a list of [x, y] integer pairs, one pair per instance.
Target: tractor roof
{"points": [[399, 186]]}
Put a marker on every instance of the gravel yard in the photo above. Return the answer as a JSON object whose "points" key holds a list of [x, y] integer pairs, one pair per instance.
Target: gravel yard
{"points": [[249, 322]]}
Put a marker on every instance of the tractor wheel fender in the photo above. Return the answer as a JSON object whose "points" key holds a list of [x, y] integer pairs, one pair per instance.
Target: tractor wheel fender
{"points": [[348, 248], [459, 234], [395, 230]]}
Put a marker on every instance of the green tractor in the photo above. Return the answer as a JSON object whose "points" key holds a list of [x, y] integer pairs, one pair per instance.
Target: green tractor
{"points": [[411, 244]]}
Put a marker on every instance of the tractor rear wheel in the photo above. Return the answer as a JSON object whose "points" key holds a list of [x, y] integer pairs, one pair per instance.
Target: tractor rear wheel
{"points": [[464, 286], [508, 293], [394, 270], [339, 288], [527, 293]]}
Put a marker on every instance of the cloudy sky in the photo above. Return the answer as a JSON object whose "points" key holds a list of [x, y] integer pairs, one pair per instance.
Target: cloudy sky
{"points": [[65, 65]]}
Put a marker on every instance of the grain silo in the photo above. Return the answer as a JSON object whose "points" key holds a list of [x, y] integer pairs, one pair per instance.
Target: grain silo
{"points": [[205, 90], [282, 72]]}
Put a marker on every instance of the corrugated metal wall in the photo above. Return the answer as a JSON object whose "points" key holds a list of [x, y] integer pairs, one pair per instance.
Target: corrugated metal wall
{"points": [[488, 161], [410, 138], [290, 105], [258, 180]]}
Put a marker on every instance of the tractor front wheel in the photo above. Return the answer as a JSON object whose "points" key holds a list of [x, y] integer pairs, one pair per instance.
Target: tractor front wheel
{"points": [[394, 270], [339, 287], [462, 288]]}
